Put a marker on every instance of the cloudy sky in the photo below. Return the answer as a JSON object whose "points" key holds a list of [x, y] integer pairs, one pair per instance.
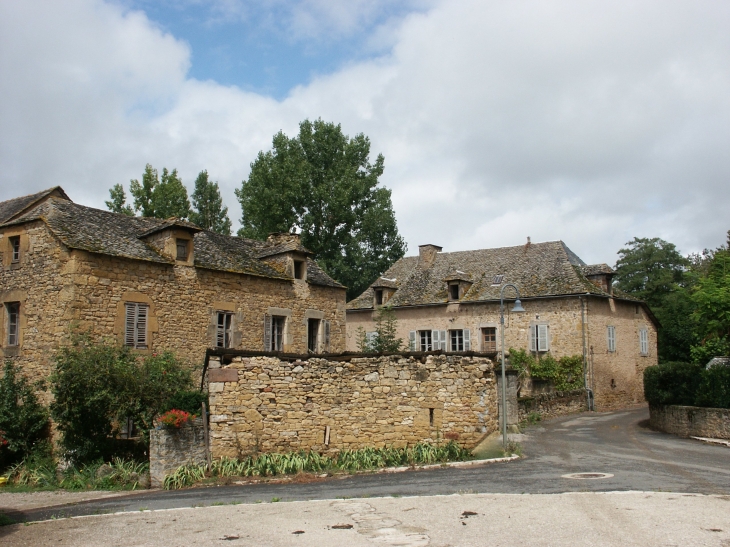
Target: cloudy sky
{"points": [[587, 121]]}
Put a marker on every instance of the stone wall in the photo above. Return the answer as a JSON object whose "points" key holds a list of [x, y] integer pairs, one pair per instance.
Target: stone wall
{"points": [[263, 404], [61, 289], [691, 421], [550, 405], [172, 448]]}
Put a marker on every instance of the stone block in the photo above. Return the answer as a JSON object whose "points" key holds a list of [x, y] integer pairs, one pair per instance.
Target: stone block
{"points": [[223, 375]]}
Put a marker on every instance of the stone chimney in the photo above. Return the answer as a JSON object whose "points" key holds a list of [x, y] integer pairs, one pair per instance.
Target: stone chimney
{"points": [[427, 255], [279, 238]]}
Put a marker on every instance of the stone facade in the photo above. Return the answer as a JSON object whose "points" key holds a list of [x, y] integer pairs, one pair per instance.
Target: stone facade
{"points": [[171, 448], [59, 288], [572, 304], [264, 404], [691, 421]]}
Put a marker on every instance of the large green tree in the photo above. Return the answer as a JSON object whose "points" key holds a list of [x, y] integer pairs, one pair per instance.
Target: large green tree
{"points": [[322, 184], [711, 295], [157, 197], [208, 210], [653, 269]]}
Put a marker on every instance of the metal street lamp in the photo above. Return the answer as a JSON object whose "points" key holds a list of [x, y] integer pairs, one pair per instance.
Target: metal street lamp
{"points": [[517, 309]]}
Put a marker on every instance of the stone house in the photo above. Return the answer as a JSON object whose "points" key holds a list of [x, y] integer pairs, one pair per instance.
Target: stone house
{"points": [[154, 285], [450, 302]]}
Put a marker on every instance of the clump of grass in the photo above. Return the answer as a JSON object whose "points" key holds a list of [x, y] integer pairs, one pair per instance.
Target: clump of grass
{"points": [[267, 465]]}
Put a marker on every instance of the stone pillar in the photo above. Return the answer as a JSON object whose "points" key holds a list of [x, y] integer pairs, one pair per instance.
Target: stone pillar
{"points": [[172, 448], [512, 408]]}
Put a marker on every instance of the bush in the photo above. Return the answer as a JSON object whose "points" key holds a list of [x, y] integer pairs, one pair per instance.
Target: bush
{"points": [[714, 388], [23, 420], [565, 373], [189, 401], [97, 386], [673, 383]]}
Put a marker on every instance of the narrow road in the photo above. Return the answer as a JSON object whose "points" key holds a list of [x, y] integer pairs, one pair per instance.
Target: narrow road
{"points": [[618, 444]]}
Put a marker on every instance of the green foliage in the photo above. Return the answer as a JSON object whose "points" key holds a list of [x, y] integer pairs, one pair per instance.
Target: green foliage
{"points": [[118, 201], [189, 401], [23, 420], [266, 465], [153, 197], [714, 388], [323, 184], [96, 386], [672, 383], [385, 339], [713, 347], [711, 295], [209, 212], [565, 373]]}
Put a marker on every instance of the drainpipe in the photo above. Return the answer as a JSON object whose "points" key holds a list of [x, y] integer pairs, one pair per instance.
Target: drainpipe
{"points": [[589, 391]]}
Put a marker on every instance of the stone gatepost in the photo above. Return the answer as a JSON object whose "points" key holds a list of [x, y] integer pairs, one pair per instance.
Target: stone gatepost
{"points": [[172, 448], [512, 407]]}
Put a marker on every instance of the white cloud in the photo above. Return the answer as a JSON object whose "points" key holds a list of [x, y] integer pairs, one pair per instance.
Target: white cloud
{"points": [[591, 122]]}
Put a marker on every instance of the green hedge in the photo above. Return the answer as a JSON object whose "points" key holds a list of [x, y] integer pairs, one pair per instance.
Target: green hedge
{"points": [[687, 384]]}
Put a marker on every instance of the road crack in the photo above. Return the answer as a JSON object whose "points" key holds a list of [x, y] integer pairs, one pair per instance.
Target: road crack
{"points": [[379, 528]]}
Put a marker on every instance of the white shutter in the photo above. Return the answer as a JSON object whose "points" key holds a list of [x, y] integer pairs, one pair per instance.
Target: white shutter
{"points": [[542, 337], [435, 340], [443, 340], [327, 336], [130, 311], [412, 340], [220, 333], [643, 342], [141, 329], [611, 332], [467, 340], [533, 336], [267, 332], [228, 330]]}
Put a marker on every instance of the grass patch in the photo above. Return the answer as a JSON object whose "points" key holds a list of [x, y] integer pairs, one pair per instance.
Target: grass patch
{"points": [[268, 465]]}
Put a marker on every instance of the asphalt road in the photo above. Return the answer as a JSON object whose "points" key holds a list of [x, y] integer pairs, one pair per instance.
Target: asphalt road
{"points": [[619, 444]]}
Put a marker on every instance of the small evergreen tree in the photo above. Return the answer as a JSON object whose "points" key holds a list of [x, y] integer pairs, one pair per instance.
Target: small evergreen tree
{"points": [[118, 201], [384, 339], [209, 212]]}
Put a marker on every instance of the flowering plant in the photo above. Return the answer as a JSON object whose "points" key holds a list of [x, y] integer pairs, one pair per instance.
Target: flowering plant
{"points": [[176, 418], [3, 440]]}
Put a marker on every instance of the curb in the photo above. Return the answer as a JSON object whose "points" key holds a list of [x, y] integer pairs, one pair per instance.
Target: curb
{"points": [[712, 441], [467, 463]]}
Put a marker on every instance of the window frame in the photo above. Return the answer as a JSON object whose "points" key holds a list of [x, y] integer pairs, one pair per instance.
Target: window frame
{"points": [[453, 296], [277, 330], [456, 339], [643, 341], [181, 243], [224, 330], [136, 325], [300, 269], [611, 338], [12, 313], [378, 297], [540, 337], [485, 347], [313, 335], [422, 343], [14, 242]]}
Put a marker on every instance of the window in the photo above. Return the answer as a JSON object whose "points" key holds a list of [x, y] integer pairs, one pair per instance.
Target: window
{"points": [[611, 335], [378, 297], [459, 340], [274, 332], [425, 341], [643, 342], [539, 338], [13, 310], [14, 248], [299, 269], [489, 339], [182, 249], [224, 330], [454, 291], [313, 335], [497, 279], [135, 325]]}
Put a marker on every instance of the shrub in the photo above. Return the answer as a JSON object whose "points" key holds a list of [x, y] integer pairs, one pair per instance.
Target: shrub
{"points": [[96, 386], [673, 383], [23, 420], [714, 388], [176, 418], [189, 401], [565, 373]]}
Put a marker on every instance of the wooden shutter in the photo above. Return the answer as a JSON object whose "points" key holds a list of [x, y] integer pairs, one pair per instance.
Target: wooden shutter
{"points": [[220, 331], [467, 340], [412, 340], [611, 339], [435, 340], [327, 336], [267, 332], [643, 342], [141, 333], [442, 336], [542, 338], [130, 311], [533, 338]]}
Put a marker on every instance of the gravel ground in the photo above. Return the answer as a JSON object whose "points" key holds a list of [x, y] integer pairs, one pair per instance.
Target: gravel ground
{"points": [[642, 519]]}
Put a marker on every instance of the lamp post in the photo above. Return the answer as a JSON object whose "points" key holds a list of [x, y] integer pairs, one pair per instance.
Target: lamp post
{"points": [[517, 309]]}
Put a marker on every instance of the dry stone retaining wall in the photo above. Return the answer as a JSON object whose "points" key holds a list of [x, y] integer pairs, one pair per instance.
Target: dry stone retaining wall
{"points": [[691, 421], [552, 404], [263, 404], [172, 448]]}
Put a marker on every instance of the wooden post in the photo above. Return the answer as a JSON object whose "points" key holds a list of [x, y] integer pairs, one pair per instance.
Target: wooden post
{"points": [[206, 436]]}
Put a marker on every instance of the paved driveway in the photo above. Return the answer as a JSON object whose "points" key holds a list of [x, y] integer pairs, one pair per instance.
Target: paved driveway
{"points": [[617, 444]]}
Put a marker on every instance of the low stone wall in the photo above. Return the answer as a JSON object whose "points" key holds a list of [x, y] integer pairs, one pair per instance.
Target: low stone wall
{"points": [[263, 404], [550, 405], [691, 421], [171, 448]]}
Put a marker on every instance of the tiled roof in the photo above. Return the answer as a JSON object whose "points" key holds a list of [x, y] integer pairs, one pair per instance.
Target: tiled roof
{"points": [[287, 247], [104, 232], [537, 269], [597, 269], [172, 223], [13, 207]]}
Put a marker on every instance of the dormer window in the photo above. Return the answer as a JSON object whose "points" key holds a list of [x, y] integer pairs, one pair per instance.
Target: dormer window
{"points": [[378, 297], [299, 269], [454, 291], [15, 248], [182, 249]]}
